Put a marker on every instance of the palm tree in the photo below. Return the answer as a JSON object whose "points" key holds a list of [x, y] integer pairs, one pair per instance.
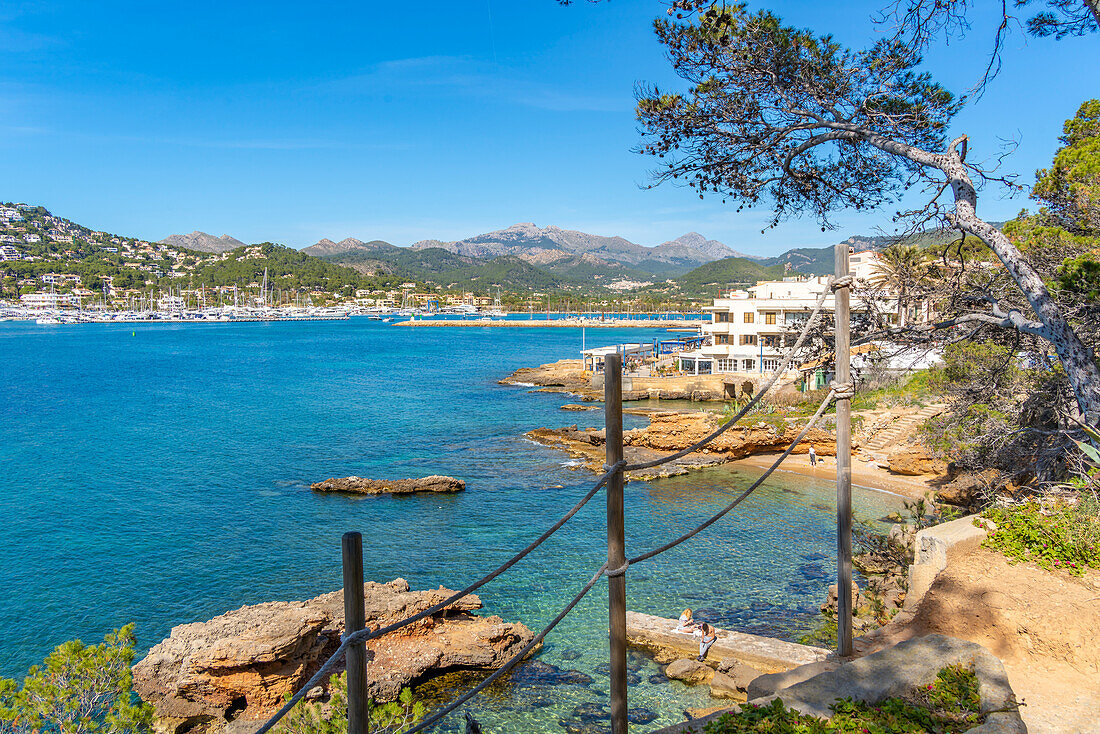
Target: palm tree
{"points": [[900, 269]]}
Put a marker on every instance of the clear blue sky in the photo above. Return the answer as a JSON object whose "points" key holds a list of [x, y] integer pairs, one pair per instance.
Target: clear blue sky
{"points": [[295, 121]]}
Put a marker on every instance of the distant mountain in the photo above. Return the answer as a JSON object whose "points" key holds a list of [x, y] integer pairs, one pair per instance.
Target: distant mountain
{"points": [[693, 244], [532, 243], [820, 260], [327, 247], [203, 242]]}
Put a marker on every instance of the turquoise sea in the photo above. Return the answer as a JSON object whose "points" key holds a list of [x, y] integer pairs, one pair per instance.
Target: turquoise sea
{"points": [[158, 474]]}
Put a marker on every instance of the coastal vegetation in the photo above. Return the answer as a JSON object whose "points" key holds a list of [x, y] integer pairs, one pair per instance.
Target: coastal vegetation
{"points": [[331, 717], [1057, 536], [951, 703], [78, 689]]}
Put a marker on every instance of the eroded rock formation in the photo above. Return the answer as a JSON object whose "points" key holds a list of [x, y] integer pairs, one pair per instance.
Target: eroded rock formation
{"points": [[241, 664], [359, 485], [673, 431]]}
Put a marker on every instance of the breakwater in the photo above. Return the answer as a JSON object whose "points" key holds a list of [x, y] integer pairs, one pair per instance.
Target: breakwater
{"points": [[560, 323]]}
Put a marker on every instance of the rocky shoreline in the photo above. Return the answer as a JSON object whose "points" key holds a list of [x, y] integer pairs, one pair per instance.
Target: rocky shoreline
{"points": [[359, 485], [670, 432], [240, 665]]}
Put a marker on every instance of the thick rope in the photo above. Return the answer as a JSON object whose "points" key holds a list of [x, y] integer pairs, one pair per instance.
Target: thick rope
{"points": [[620, 571], [512, 662], [363, 635], [844, 281], [810, 323], [715, 518], [843, 390]]}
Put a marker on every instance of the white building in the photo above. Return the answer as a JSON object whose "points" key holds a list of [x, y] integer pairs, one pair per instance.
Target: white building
{"points": [[751, 330], [171, 303], [7, 252], [49, 300], [32, 238]]}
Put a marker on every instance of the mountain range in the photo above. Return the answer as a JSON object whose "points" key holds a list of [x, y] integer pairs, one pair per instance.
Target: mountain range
{"points": [[203, 242], [552, 257], [571, 256]]}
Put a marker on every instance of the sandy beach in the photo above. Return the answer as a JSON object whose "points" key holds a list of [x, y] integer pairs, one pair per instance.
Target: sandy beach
{"points": [[864, 474]]}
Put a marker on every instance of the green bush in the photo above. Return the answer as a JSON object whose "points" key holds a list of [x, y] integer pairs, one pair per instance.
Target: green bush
{"points": [[950, 704], [79, 689], [1056, 536], [332, 717]]}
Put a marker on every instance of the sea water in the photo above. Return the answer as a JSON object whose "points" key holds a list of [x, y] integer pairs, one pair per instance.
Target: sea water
{"points": [[159, 474]]}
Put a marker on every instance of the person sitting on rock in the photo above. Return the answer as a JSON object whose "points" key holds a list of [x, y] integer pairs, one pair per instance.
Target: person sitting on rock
{"points": [[707, 637], [687, 624]]}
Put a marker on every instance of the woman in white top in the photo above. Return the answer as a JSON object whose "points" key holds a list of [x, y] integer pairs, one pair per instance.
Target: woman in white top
{"points": [[686, 624]]}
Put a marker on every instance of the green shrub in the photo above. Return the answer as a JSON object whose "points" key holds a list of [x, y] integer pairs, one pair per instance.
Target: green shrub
{"points": [[332, 717], [950, 704], [78, 689], [1056, 536]]}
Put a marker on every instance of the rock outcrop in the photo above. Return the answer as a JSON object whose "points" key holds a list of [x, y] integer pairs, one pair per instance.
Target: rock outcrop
{"points": [[689, 671], [669, 432], [359, 485], [565, 376], [241, 664], [915, 461]]}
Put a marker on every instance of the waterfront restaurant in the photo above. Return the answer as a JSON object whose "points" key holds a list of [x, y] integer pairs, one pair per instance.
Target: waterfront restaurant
{"points": [[632, 354], [751, 330]]}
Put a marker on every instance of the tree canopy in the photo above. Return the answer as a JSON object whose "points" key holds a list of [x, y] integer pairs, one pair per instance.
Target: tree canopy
{"points": [[783, 117]]}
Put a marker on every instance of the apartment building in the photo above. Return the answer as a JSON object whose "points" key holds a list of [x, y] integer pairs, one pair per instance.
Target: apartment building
{"points": [[750, 329]]}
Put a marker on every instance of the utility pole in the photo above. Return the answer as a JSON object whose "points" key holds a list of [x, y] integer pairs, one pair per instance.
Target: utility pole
{"points": [[841, 323]]}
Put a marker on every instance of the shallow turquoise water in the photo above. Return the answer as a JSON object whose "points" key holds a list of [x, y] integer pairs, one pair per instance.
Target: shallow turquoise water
{"points": [[159, 474]]}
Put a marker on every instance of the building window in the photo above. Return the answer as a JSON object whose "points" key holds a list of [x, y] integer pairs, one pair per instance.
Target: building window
{"points": [[770, 365], [749, 316], [726, 365], [721, 317], [796, 318], [721, 338], [769, 317], [772, 341], [748, 365], [748, 340]]}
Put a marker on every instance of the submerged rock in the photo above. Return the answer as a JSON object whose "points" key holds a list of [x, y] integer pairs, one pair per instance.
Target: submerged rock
{"points": [[536, 672], [359, 485], [241, 664]]}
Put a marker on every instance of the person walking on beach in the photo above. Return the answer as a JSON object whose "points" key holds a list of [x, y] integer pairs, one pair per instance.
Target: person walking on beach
{"points": [[707, 636], [813, 456]]}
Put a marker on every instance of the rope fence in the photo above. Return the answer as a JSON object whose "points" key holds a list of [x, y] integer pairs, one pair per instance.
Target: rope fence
{"points": [[837, 391]]}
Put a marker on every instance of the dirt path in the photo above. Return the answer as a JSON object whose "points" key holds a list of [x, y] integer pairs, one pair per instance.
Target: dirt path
{"points": [[1043, 625]]}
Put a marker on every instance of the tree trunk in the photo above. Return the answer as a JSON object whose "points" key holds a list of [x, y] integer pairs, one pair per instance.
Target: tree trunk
{"points": [[1094, 8], [1077, 359]]}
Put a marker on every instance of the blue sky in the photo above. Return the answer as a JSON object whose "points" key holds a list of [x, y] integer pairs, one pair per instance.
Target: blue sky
{"points": [[295, 121]]}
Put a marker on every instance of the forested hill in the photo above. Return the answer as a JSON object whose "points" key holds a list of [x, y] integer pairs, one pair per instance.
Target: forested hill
{"points": [[442, 267], [722, 274]]}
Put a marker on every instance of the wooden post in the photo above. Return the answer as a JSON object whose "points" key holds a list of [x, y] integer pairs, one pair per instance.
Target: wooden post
{"points": [[843, 463], [616, 541], [355, 617]]}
